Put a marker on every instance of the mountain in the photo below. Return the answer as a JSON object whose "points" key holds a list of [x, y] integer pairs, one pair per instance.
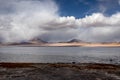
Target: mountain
{"points": [[38, 40], [30, 42], [74, 40]]}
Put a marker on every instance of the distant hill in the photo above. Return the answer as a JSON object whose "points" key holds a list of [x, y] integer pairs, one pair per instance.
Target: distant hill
{"points": [[38, 40], [74, 40], [32, 41]]}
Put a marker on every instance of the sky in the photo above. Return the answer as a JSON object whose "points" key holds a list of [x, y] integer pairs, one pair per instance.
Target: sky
{"points": [[60, 20]]}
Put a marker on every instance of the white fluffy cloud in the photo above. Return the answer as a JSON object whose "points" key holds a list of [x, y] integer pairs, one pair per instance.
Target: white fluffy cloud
{"points": [[99, 20], [24, 20]]}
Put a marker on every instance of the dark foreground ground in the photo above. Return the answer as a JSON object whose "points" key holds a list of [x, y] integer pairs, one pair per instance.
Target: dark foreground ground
{"points": [[58, 71]]}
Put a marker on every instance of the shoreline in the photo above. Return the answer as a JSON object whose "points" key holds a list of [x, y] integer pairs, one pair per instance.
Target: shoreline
{"points": [[66, 45], [26, 64]]}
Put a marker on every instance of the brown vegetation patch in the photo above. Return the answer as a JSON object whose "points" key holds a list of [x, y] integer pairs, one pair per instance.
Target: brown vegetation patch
{"points": [[16, 65]]}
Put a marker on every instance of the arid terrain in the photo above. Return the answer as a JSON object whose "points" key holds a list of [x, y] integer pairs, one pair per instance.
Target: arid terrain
{"points": [[60, 44], [85, 44], [59, 71], [73, 42], [77, 44]]}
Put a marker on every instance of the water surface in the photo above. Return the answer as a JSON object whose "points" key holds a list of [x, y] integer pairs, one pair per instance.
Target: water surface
{"points": [[60, 54]]}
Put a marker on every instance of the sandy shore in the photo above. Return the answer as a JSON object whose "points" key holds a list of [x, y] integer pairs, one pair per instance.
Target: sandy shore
{"points": [[59, 71], [85, 44], [75, 44]]}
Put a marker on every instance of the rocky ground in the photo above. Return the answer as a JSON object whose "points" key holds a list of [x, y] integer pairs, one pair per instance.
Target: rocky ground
{"points": [[59, 71]]}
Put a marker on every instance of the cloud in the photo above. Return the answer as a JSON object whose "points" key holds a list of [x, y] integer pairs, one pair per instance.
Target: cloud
{"points": [[99, 20], [95, 28], [59, 35], [119, 2], [100, 28], [24, 20], [101, 34], [107, 6]]}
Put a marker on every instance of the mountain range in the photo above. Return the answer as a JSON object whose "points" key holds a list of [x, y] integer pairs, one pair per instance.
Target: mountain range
{"points": [[72, 42]]}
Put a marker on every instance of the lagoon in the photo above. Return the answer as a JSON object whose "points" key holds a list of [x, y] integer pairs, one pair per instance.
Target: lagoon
{"points": [[109, 55]]}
